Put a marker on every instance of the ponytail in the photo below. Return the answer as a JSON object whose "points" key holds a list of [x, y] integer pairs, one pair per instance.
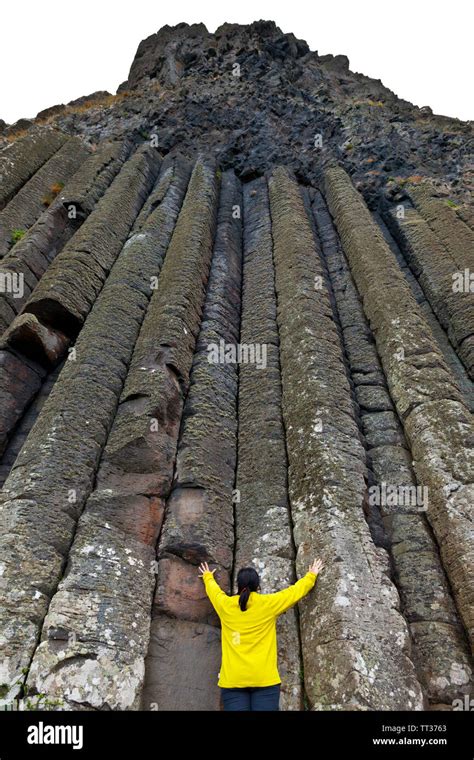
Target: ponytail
{"points": [[247, 581], [243, 598]]}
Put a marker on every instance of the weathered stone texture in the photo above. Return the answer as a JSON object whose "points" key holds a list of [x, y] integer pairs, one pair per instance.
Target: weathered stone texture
{"points": [[113, 552], [20, 160], [40, 191], [32, 255], [454, 234], [22, 429], [466, 213], [57, 464], [355, 643], [437, 424], [450, 356], [20, 380], [440, 651], [88, 257], [436, 269], [94, 177], [263, 525], [182, 654]]}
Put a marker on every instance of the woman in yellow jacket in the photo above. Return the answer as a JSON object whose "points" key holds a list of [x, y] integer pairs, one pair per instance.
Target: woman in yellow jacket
{"points": [[249, 678]]}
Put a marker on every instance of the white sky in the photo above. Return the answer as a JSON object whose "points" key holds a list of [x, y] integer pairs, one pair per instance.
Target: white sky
{"points": [[54, 51]]}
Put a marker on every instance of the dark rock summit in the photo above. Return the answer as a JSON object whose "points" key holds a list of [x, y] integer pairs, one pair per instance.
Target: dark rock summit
{"points": [[251, 96], [237, 317]]}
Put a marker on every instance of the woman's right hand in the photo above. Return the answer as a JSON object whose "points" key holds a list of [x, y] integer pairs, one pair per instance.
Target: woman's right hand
{"points": [[204, 568], [316, 567]]}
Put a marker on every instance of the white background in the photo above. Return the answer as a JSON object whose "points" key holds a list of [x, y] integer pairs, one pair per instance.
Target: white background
{"points": [[53, 51]]}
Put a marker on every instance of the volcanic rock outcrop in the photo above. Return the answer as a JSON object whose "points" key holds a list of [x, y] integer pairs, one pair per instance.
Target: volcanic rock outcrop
{"points": [[237, 315]]}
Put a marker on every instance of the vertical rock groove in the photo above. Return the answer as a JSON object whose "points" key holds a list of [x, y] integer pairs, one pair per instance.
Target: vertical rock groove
{"points": [[435, 267], [118, 528], [263, 528], [57, 464], [20, 160], [182, 662], [440, 650], [27, 205], [436, 421], [32, 255], [355, 642]]}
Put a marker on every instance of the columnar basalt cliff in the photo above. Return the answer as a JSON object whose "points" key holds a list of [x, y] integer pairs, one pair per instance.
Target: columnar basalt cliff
{"points": [[237, 315]]}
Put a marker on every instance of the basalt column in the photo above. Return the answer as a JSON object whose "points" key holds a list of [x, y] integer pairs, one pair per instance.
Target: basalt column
{"points": [[41, 190], [45, 492], [263, 525], [32, 255], [437, 424], [355, 643], [58, 306], [183, 658], [450, 356], [95, 634], [436, 268], [440, 650], [113, 553], [20, 160], [35, 342]]}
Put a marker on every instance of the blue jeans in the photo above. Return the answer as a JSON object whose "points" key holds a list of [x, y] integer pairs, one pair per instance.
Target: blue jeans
{"points": [[252, 698]]}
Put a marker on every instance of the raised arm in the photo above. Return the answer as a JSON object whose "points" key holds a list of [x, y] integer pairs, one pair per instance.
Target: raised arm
{"points": [[283, 600], [213, 590]]}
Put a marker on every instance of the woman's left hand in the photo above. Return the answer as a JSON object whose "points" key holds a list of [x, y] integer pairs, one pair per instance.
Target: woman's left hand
{"points": [[204, 568]]}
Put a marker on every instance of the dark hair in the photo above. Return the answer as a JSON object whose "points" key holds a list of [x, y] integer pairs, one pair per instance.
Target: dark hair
{"points": [[247, 581]]}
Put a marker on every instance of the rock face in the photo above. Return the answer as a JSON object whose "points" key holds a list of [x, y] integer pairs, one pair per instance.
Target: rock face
{"points": [[237, 315], [263, 536]]}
